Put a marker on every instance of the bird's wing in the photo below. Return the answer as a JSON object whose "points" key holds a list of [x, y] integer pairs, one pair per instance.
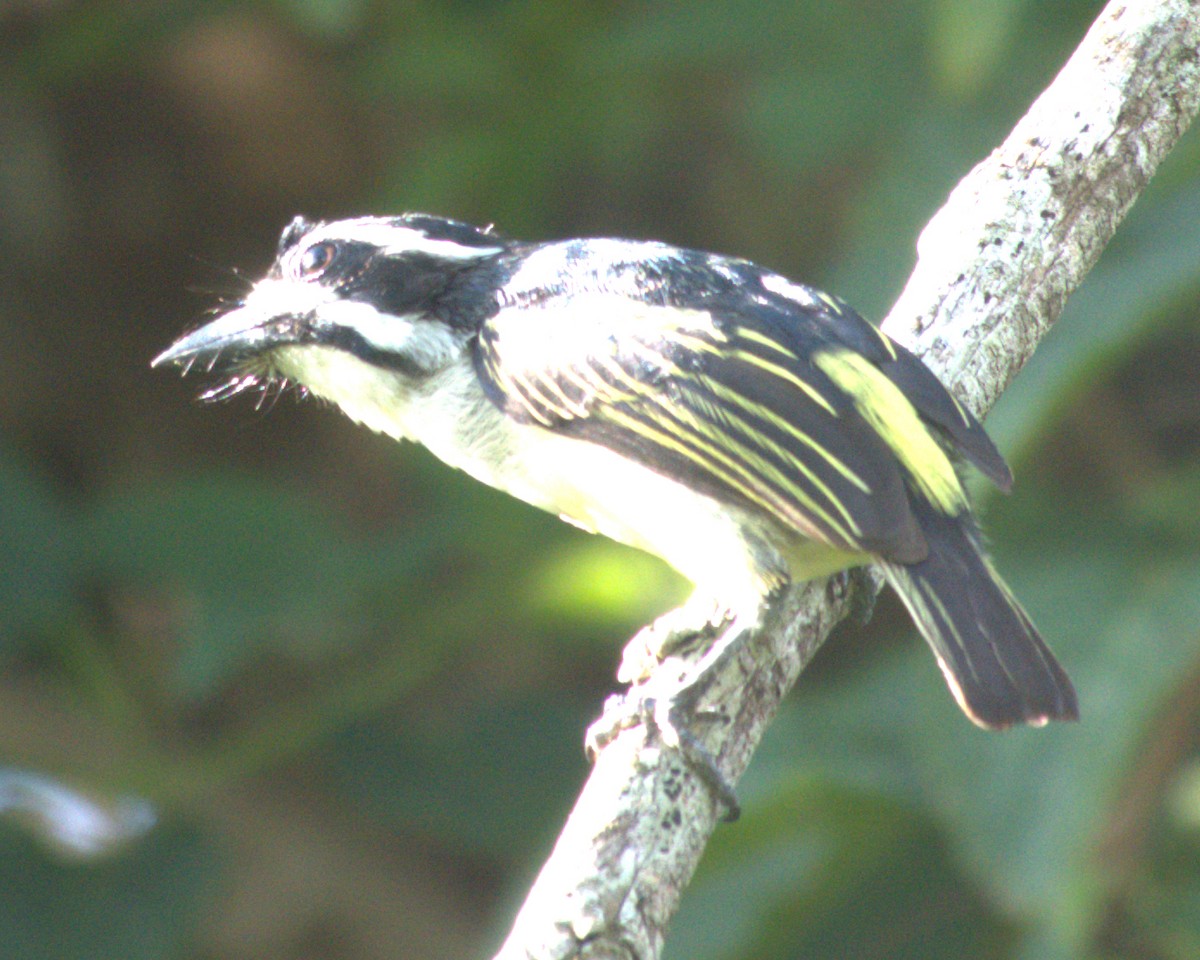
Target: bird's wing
{"points": [[779, 406]]}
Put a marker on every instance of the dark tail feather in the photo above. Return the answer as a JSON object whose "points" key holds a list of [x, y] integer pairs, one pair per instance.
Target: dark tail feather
{"points": [[998, 668]]}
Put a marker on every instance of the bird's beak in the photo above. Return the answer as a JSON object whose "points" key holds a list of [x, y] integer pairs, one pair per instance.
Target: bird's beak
{"points": [[240, 332], [274, 313]]}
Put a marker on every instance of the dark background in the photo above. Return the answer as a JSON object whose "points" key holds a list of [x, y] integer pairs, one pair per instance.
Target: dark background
{"points": [[353, 684]]}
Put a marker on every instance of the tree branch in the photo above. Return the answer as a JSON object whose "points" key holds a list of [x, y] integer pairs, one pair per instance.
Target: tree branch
{"points": [[995, 267], [1021, 231]]}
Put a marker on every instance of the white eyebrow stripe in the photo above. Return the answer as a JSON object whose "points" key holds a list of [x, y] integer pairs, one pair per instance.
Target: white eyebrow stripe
{"points": [[392, 238]]}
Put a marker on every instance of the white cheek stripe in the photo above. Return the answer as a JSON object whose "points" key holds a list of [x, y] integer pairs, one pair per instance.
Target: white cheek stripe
{"points": [[280, 298], [429, 344], [383, 331], [394, 239]]}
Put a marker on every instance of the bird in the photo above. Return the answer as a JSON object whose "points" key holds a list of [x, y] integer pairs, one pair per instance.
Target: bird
{"points": [[749, 430]]}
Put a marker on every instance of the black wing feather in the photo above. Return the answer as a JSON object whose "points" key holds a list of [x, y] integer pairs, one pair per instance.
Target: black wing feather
{"points": [[840, 325], [727, 401], [938, 405]]}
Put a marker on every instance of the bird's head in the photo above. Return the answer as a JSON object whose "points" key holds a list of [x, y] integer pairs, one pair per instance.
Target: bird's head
{"points": [[373, 293]]}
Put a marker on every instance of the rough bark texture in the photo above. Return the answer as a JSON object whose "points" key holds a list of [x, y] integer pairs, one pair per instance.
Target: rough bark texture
{"points": [[1020, 231], [996, 265]]}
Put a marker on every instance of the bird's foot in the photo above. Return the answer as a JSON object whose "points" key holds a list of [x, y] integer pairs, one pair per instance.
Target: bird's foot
{"points": [[671, 719], [693, 626], [861, 587], [669, 684]]}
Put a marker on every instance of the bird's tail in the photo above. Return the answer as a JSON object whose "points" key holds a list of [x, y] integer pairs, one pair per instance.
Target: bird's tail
{"points": [[998, 668]]}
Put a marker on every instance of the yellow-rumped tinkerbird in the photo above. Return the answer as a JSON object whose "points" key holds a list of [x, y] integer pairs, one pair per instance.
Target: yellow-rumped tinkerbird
{"points": [[749, 430]]}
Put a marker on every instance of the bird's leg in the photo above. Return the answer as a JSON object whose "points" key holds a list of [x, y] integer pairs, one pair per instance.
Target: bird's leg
{"points": [[673, 635], [666, 697], [698, 621], [675, 715]]}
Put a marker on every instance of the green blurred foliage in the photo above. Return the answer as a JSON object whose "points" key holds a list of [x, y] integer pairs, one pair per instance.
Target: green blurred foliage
{"points": [[354, 683]]}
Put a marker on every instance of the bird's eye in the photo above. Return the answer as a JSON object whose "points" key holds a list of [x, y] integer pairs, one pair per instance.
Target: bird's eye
{"points": [[315, 259]]}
